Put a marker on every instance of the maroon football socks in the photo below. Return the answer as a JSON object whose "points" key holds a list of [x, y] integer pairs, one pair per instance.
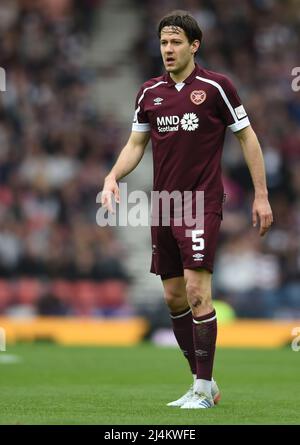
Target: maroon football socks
{"points": [[205, 336], [183, 331]]}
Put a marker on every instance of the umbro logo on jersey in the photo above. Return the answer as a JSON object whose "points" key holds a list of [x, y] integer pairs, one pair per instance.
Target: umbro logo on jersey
{"points": [[198, 257], [188, 122], [158, 101]]}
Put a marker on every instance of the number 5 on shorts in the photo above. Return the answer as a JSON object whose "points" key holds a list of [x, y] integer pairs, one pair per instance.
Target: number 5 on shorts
{"points": [[198, 241]]}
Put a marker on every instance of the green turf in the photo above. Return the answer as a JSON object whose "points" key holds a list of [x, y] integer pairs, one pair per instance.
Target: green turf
{"points": [[116, 386]]}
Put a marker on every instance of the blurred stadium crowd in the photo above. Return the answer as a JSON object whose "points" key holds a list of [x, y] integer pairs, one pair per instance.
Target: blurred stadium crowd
{"points": [[55, 149]]}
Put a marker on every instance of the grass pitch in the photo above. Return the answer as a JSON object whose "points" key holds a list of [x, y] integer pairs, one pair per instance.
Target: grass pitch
{"points": [[50, 384]]}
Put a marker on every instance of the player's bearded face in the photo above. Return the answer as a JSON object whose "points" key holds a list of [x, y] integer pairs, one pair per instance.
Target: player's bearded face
{"points": [[176, 50]]}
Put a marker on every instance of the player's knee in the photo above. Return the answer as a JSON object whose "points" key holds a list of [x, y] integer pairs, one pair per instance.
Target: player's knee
{"points": [[175, 300], [197, 296]]}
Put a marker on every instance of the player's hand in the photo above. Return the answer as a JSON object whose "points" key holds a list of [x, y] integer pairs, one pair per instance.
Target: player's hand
{"points": [[262, 211], [110, 190]]}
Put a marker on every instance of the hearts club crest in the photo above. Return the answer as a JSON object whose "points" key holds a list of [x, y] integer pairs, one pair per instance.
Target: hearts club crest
{"points": [[198, 96]]}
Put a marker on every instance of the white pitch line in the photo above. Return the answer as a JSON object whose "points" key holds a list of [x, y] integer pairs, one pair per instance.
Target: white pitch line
{"points": [[7, 359]]}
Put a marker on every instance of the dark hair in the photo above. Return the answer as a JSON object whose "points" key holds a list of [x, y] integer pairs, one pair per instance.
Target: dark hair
{"points": [[183, 20]]}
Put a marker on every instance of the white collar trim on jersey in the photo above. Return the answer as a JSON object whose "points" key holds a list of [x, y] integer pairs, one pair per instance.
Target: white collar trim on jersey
{"points": [[179, 86]]}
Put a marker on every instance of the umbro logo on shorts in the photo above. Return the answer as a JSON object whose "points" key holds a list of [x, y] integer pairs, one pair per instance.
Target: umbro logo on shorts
{"points": [[198, 257]]}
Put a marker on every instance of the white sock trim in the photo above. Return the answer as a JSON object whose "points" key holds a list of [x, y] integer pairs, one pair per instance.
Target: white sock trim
{"points": [[204, 321], [181, 315]]}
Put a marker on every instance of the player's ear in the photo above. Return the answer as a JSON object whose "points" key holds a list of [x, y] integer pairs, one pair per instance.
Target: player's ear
{"points": [[195, 46]]}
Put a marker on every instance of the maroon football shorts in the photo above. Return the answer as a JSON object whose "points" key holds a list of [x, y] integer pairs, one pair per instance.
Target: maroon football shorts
{"points": [[173, 251]]}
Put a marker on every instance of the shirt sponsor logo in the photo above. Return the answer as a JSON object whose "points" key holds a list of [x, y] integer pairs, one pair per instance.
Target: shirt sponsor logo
{"points": [[158, 101], [167, 123], [188, 122], [240, 112], [198, 96]]}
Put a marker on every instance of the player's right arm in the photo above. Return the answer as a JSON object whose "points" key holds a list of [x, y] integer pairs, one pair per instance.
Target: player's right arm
{"points": [[128, 159]]}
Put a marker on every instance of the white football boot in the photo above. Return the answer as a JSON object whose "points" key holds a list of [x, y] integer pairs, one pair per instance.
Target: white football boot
{"points": [[189, 395], [185, 398], [199, 401]]}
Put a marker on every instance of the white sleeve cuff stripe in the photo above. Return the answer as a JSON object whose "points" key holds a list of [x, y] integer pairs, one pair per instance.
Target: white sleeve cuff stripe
{"points": [[239, 125], [140, 127]]}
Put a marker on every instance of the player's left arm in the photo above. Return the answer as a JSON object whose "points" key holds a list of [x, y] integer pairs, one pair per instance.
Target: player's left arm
{"points": [[261, 208]]}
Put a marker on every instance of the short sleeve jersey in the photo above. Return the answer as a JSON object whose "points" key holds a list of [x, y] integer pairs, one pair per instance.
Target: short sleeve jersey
{"points": [[187, 122]]}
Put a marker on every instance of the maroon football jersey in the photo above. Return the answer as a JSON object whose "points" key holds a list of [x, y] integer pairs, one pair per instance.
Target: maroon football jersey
{"points": [[187, 122]]}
